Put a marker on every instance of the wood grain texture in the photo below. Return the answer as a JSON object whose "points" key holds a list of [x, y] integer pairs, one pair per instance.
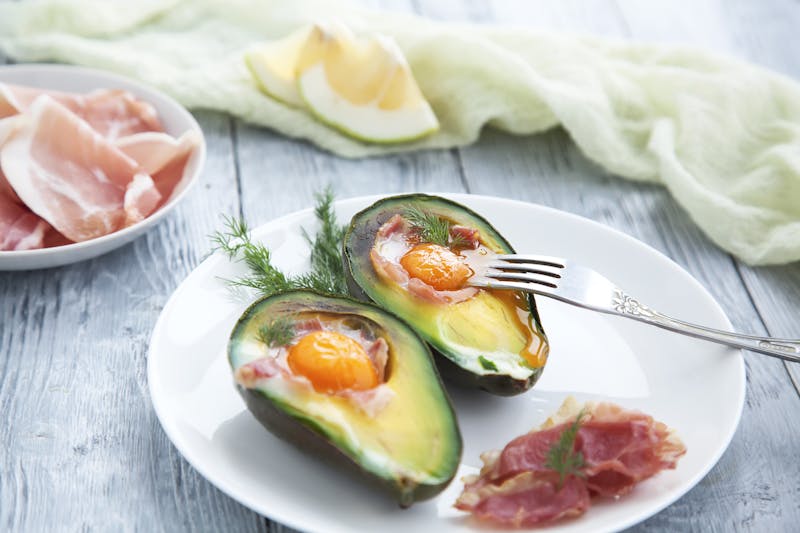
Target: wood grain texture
{"points": [[279, 175], [83, 448]]}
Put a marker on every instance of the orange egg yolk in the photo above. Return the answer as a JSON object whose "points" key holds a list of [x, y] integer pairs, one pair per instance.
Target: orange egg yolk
{"points": [[332, 362], [437, 266]]}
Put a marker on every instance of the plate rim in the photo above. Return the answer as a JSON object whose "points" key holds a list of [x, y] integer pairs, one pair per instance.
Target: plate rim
{"points": [[366, 200], [139, 89]]}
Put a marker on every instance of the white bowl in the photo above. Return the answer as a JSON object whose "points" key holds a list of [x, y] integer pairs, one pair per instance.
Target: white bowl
{"points": [[175, 119]]}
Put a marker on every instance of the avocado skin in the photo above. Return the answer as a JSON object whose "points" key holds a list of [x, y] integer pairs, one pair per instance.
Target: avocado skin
{"points": [[362, 239], [306, 439], [304, 436]]}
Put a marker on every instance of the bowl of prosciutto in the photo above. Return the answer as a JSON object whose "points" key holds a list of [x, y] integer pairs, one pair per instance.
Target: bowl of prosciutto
{"points": [[88, 162]]}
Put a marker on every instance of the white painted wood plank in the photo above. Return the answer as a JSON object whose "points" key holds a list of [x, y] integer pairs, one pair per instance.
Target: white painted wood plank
{"points": [[279, 175], [82, 449]]}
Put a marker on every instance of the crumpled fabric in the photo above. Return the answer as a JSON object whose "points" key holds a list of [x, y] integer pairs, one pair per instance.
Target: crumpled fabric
{"points": [[722, 135]]}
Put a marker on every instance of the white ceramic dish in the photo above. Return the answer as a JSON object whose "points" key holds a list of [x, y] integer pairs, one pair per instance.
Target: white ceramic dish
{"points": [[175, 119], [696, 387]]}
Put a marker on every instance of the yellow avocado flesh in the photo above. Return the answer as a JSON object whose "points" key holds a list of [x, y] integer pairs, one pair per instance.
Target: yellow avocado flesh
{"points": [[491, 324], [414, 437]]}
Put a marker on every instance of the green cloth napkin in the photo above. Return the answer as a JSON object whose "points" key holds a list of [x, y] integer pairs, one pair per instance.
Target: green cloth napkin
{"points": [[722, 135]]}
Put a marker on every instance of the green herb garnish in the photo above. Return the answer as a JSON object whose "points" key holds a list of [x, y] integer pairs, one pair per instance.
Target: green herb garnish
{"points": [[562, 456], [326, 274], [487, 364], [326, 247], [279, 332], [433, 228]]}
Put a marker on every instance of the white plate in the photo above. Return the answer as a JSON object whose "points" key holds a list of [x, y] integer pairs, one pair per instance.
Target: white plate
{"points": [[693, 386], [175, 119]]}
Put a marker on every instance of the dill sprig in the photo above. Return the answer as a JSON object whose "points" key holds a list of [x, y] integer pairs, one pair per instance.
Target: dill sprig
{"points": [[562, 456], [279, 332], [433, 228], [326, 247], [326, 274]]}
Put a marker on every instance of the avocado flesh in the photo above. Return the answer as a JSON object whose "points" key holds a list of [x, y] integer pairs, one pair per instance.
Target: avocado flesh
{"points": [[412, 445], [493, 341]]}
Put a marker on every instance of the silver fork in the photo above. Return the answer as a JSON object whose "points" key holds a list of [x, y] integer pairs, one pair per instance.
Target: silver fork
{"points": [[575, 284]]}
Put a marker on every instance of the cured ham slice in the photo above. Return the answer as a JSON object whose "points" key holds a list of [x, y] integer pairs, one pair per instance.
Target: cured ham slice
{"points": [[115, 113], [71, 176], [111, 112], [620, 448], [525, 500], [162, 156], [7, 127], [20, 228]]}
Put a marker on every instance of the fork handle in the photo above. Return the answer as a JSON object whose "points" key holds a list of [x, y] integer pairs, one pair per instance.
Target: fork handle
{"points": [[629, 307]]}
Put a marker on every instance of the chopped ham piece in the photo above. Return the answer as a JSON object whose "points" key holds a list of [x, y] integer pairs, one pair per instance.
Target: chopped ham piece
{"points": [[396, 224], [302, 327], [111, 112], [250, 374], [378, 353], [71, 176], [468, 235], [620, 448], [387, 269], [419, 288]]}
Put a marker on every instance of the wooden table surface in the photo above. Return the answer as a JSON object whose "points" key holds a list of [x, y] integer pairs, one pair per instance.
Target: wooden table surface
{"points": [[82, 448]]}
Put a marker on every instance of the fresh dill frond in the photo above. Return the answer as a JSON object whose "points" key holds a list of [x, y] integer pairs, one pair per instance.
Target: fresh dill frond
{"points": [[431, 228], [235, 242], [327, 268], [327, 271], [562, 456], [279, 332], [233, 239]]}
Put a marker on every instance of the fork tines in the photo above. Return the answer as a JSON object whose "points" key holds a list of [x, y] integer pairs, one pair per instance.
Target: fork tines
{"points": [[513, 270]]}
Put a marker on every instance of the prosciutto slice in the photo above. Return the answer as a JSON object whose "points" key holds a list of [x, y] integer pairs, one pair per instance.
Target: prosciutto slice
{"points": [[620, 448], [162, 156], [20, 228], [113, 113], [73, 177]]}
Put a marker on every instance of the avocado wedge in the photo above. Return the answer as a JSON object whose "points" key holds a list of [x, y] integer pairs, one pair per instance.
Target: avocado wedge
{"points": [[493, 340], [410, 443]]}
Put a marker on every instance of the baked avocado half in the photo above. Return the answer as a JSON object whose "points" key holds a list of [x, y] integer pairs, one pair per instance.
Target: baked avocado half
{"points": [[412, 254], [351, 383]]}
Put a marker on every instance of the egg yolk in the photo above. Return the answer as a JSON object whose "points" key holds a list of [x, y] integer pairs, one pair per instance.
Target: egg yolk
{"points": [[437, 266], [332, 362]]}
